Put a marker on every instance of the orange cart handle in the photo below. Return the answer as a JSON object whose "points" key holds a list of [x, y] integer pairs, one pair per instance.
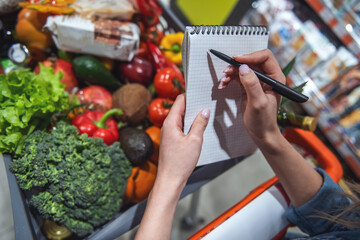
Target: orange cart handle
{"points": [[237, 207], [313, 145]]}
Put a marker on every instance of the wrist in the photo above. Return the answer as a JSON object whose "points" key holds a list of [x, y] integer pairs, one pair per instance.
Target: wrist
{"points": [[168, 186], [272, 142]]}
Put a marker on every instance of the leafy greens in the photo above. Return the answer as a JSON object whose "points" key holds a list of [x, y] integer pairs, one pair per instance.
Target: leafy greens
{"points": [[27, 102]]}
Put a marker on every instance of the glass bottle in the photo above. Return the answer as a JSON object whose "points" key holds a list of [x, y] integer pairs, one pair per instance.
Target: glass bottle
{"points": [[287, 119], [54, 231]]}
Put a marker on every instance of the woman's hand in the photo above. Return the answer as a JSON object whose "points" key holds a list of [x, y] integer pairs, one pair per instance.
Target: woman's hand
{"points": [[179, 153], [259, 103], [260, 106]]}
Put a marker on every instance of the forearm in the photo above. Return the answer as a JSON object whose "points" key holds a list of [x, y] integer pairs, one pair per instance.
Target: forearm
{"points": [[299, 179], [158, 217]]}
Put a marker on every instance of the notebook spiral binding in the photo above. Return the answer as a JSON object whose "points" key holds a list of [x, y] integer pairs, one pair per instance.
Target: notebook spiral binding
{"points": [[229, 30]]}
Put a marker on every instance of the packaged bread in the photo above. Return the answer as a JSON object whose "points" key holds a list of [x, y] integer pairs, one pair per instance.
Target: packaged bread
{"points": [[100, 36], [115, 9]]}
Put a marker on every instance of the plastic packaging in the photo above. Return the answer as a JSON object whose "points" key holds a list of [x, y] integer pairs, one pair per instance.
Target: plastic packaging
{"points": [[102, 37]]}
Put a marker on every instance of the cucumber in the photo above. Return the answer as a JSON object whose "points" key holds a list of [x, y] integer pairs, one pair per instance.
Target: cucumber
{"points": [[92, 71]]}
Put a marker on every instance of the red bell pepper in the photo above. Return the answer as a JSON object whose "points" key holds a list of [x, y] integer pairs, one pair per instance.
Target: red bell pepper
{"points": [[160, 61], [98, 124]]}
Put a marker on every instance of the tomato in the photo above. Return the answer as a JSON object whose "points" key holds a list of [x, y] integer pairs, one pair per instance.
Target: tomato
{"points": [[159, 108], [96, 97], [65, 67], [168, 84]]}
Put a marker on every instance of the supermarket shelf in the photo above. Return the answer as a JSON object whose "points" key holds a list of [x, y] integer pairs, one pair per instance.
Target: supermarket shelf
{"points": [[332, 131], [349, 39]]}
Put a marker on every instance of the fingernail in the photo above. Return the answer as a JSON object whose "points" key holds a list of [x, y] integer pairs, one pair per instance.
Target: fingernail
{"points": [[244, 69], [227, 69], [205, 113], [221, 85], [223, 78]]}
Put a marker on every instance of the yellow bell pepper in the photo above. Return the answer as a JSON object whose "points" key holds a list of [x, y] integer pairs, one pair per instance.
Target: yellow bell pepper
{"points": [[171, 47], [29, 29]]}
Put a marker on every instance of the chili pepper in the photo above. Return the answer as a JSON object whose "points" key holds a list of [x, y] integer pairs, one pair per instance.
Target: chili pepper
{"points": [[157, 57], [160, 61], [98, 124], [171, 47]]}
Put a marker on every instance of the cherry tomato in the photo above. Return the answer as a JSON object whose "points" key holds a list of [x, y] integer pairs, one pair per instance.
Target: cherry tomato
{"points": [[149, 7], [168, 84], [150, 11], [154, 34], [159, 108]]}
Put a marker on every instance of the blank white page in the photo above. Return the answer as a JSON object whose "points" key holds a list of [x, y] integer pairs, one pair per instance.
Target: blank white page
{"points": [[225, 136]]}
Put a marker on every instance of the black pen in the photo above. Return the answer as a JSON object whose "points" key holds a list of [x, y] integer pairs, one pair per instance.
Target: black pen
{"points": [[277, 87]]}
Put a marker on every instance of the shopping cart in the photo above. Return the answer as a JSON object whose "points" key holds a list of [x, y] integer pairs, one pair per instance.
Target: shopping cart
{"points": [[260, 215]]}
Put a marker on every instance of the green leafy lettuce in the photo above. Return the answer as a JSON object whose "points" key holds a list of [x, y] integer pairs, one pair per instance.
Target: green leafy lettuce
{"points": [[27, 102]]}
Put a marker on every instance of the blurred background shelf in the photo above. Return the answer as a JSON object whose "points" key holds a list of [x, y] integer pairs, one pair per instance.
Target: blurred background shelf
{"points": [[323, 35]]}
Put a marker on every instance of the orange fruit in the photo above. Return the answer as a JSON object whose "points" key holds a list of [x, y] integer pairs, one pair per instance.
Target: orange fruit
{"points": [[140, 182], [155, 133]]}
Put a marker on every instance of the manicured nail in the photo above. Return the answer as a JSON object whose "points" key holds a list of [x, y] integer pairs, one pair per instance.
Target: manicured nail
{"points": [[221, 85], [223, 78], [227, 69], [205, 113], [244, 70]]}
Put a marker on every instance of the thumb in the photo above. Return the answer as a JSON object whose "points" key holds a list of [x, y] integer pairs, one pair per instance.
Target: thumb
{"points": [[199, 125]]}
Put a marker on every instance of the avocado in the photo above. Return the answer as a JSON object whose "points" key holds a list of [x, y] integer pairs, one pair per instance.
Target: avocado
{"points": [[136, 144], [92, 71]]}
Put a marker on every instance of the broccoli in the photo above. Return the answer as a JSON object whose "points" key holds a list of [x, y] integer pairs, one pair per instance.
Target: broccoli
{"points": [[82, 179]]}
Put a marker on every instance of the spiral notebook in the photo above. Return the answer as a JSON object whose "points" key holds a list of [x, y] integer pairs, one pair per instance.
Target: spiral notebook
{"points": [[225, 136]]}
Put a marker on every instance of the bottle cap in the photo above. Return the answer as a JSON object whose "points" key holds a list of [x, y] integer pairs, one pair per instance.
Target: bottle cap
{"points": [[309, 123], [54, 231], [18, 53]]}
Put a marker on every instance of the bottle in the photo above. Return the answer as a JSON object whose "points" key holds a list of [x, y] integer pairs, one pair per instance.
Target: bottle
{"points": [[19, 54], [287, 119], [54, 231]]}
